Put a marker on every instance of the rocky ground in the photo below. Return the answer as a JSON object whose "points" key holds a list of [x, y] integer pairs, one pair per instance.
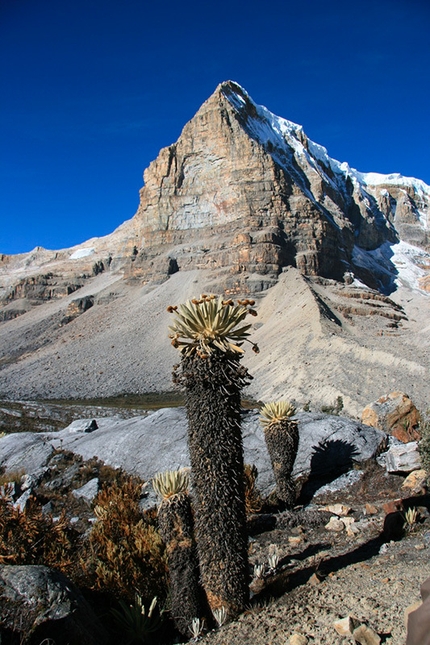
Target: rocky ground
{"points": [[324, 576], [344, 553]]}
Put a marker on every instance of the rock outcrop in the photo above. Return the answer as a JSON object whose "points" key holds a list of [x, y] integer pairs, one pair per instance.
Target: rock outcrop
{"points": [[328, 444], [395, 414]]}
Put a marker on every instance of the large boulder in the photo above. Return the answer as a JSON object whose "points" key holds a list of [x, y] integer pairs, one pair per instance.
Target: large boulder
{"points": [[395, 414], [40, 602], [157, 442]]}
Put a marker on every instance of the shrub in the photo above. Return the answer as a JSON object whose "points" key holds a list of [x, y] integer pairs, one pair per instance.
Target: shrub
{"points": [[253, 501], [125, 554], [33, 537]]}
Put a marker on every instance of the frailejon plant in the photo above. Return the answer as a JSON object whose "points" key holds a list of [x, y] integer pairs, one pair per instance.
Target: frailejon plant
{"points": [[209, 334], [176, 526], [281, 433]]}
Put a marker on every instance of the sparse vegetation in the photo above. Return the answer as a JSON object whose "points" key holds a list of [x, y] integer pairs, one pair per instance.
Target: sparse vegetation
{"points": [[335, 409], [135, 622], [424, 444], [30, 536], [253, 501]]}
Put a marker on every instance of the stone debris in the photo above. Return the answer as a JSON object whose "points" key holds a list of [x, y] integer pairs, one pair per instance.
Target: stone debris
{"points": [[21, 502], [395, 414], [315, 579], [338, 509], [361, 633], [370, 509], [365, 635], [335, 524], [88, 491], [345, 626], [415, 481], [297, 639]]}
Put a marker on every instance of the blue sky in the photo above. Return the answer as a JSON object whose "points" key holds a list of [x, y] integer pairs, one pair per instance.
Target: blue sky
{"points": [[90, 90]]}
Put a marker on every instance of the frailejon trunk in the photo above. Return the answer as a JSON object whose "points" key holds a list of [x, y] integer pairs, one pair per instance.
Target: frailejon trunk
{"points": [[176, 528], [282, 440], [215, 442]]}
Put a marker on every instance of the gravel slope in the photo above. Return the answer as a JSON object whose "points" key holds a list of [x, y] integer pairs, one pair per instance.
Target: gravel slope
{"points": [[120, 345]]}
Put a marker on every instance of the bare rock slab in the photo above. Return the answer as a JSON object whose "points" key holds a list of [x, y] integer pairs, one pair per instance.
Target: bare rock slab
{"points": [[156, 442]]}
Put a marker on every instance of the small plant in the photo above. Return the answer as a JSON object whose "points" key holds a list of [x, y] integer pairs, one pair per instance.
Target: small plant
{"points": [[335, 409], [281, 433], [11, 477], [258, 570], [273, 557], [220, 616], [196, 628], [135, 623], [171, 482], [276, 411], [411, 517], [424, 444], [253, 501]]}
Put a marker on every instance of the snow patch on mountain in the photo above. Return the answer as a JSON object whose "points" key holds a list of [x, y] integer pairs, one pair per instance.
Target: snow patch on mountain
{"points": [[82, 253], [396, 264], [286, 142]]}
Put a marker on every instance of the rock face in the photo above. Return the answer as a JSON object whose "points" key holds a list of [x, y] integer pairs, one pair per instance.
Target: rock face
{"points": [[245, 192]]}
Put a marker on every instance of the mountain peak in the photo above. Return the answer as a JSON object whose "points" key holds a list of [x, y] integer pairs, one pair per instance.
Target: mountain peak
{"points": [[245, 193]]}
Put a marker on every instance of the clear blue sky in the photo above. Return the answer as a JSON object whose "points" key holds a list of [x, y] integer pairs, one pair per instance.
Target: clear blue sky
{"points": [[90, 90]]}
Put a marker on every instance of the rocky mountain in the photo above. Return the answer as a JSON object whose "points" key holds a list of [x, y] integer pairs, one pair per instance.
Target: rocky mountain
{"points": [[241, 199]]}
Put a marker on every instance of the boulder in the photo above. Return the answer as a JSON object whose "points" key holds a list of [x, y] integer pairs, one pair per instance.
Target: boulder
{"points": [[43, 603], [395, 414], [416, 481], [156, 442]]}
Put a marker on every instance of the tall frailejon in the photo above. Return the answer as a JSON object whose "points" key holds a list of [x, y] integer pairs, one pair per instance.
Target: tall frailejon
{"points": [[208, 334]]}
